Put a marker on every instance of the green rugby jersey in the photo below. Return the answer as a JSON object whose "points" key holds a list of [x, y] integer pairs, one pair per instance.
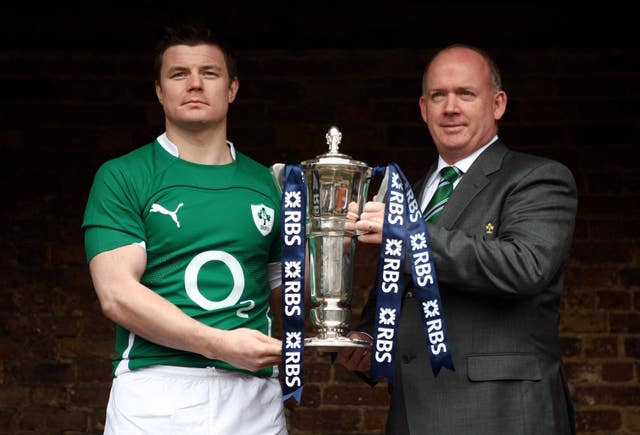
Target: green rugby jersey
{"points": [[209, 232]]}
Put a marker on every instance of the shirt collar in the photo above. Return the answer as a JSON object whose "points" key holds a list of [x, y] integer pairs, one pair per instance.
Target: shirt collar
{"points": [[172, 149], [463, 164]]}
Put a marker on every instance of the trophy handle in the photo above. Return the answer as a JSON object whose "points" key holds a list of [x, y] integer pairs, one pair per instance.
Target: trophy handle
{"points": [[382, 191], [277, 171]]}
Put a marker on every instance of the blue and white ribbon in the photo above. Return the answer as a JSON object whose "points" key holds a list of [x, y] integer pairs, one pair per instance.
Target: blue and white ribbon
{"points": [[405, 236], [294, 206]]}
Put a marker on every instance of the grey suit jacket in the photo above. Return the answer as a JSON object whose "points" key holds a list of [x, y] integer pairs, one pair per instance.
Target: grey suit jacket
{"points": [[499, 249]]}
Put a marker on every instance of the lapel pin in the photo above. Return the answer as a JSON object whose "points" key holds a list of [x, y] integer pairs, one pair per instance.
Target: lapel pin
{"points": [[489, 228]]}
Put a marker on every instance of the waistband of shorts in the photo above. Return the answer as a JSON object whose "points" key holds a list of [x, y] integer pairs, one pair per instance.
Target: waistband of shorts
{"points": [[199, 372]]}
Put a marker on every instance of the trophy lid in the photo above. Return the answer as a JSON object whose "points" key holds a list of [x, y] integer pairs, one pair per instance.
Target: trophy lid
{"points": [[334, 157]]}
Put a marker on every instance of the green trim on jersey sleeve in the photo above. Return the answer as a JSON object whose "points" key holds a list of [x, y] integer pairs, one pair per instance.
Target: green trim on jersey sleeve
{"points": [[100, 239]]}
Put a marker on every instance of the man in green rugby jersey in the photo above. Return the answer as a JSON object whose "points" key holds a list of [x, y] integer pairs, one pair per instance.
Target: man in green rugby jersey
{"points": [[182, 240]]}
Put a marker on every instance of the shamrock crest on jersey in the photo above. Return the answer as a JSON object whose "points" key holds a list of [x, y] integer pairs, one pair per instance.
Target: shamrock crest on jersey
{"points": [[263, 218]]}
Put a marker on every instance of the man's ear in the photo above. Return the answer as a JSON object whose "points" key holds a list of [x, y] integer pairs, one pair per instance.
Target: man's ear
{"points": [[499, 104], [158, 91], [423, 107], [233, 90]]}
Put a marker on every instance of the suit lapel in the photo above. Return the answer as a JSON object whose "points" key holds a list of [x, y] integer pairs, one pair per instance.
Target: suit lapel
{"points": [[473, 181]]}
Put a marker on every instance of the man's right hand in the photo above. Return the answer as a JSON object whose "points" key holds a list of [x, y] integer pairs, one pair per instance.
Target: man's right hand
{"points": [[356, 358], [249, 349], [370, 221]]}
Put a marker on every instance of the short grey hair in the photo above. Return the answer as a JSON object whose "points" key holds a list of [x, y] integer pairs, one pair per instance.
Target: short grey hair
{"points": [[496, 78]]}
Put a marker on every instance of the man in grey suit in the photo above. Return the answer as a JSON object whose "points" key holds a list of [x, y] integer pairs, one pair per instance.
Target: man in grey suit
{"points": [[499, 246]]}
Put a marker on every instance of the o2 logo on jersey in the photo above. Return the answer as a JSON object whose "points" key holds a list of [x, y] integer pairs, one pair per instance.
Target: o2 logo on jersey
{"points": [[263, 217], [191, 280]]}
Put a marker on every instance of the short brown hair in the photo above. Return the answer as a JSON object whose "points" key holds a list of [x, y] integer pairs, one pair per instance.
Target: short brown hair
{"points": [[192, 34]]}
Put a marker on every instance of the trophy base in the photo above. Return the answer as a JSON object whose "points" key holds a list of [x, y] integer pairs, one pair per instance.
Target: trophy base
{"points": [[334, 344]]}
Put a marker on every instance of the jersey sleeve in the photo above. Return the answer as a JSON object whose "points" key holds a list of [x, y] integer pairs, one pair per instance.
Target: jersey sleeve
{"points": [[113, 215], [275, 252]]}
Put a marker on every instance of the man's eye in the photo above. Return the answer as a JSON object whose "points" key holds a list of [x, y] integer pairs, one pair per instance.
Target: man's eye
{"points": [[177, 75], [467, 96]]}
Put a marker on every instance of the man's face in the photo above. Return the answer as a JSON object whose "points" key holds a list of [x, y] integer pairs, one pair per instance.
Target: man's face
{"points": [[459, 105], [194, 88]]}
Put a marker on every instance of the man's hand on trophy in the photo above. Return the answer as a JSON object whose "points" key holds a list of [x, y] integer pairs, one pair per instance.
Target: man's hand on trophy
{"points": [[351, 218], [369, 223], [356, 358]]}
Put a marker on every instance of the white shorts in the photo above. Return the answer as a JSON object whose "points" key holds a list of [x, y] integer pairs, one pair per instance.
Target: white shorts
{"points": [[194, 401]]}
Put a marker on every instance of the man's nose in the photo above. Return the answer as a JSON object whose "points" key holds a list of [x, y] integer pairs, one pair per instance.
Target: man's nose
{"points": [[451, 104], [195, 81]]}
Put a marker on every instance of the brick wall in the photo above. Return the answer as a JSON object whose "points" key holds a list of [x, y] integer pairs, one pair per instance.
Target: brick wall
{"points": [[67, 111]]}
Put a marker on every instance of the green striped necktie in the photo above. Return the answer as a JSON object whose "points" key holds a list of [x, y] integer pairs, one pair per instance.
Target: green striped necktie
{"points": [[448, 175]]}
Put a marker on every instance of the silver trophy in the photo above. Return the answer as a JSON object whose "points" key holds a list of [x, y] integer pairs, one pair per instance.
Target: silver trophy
{"points": [[333, 181]]}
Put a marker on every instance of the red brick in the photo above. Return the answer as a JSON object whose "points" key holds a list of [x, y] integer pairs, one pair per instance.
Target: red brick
{"points": [[617, 372], [375, 419], [625, 322], [318, 420], [53, 419], [578, 301], [6, 418], [607, 396], [93, 394], [614, 300], [74, 347], [14, 395], [570, 346], [310, 398], [599, 420], [632, 347], [7, 347], [93, 369], [53, 397], [632, 420], [358, 396], [44, 373], [581, 373], [342, 375], [583, 322], [630, 277], [620, 228], [601, 347], [317, 372]]}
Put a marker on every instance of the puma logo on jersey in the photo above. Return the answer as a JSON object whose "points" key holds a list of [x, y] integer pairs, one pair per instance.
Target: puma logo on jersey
{"points": [[157, 208], [263, 217]]}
